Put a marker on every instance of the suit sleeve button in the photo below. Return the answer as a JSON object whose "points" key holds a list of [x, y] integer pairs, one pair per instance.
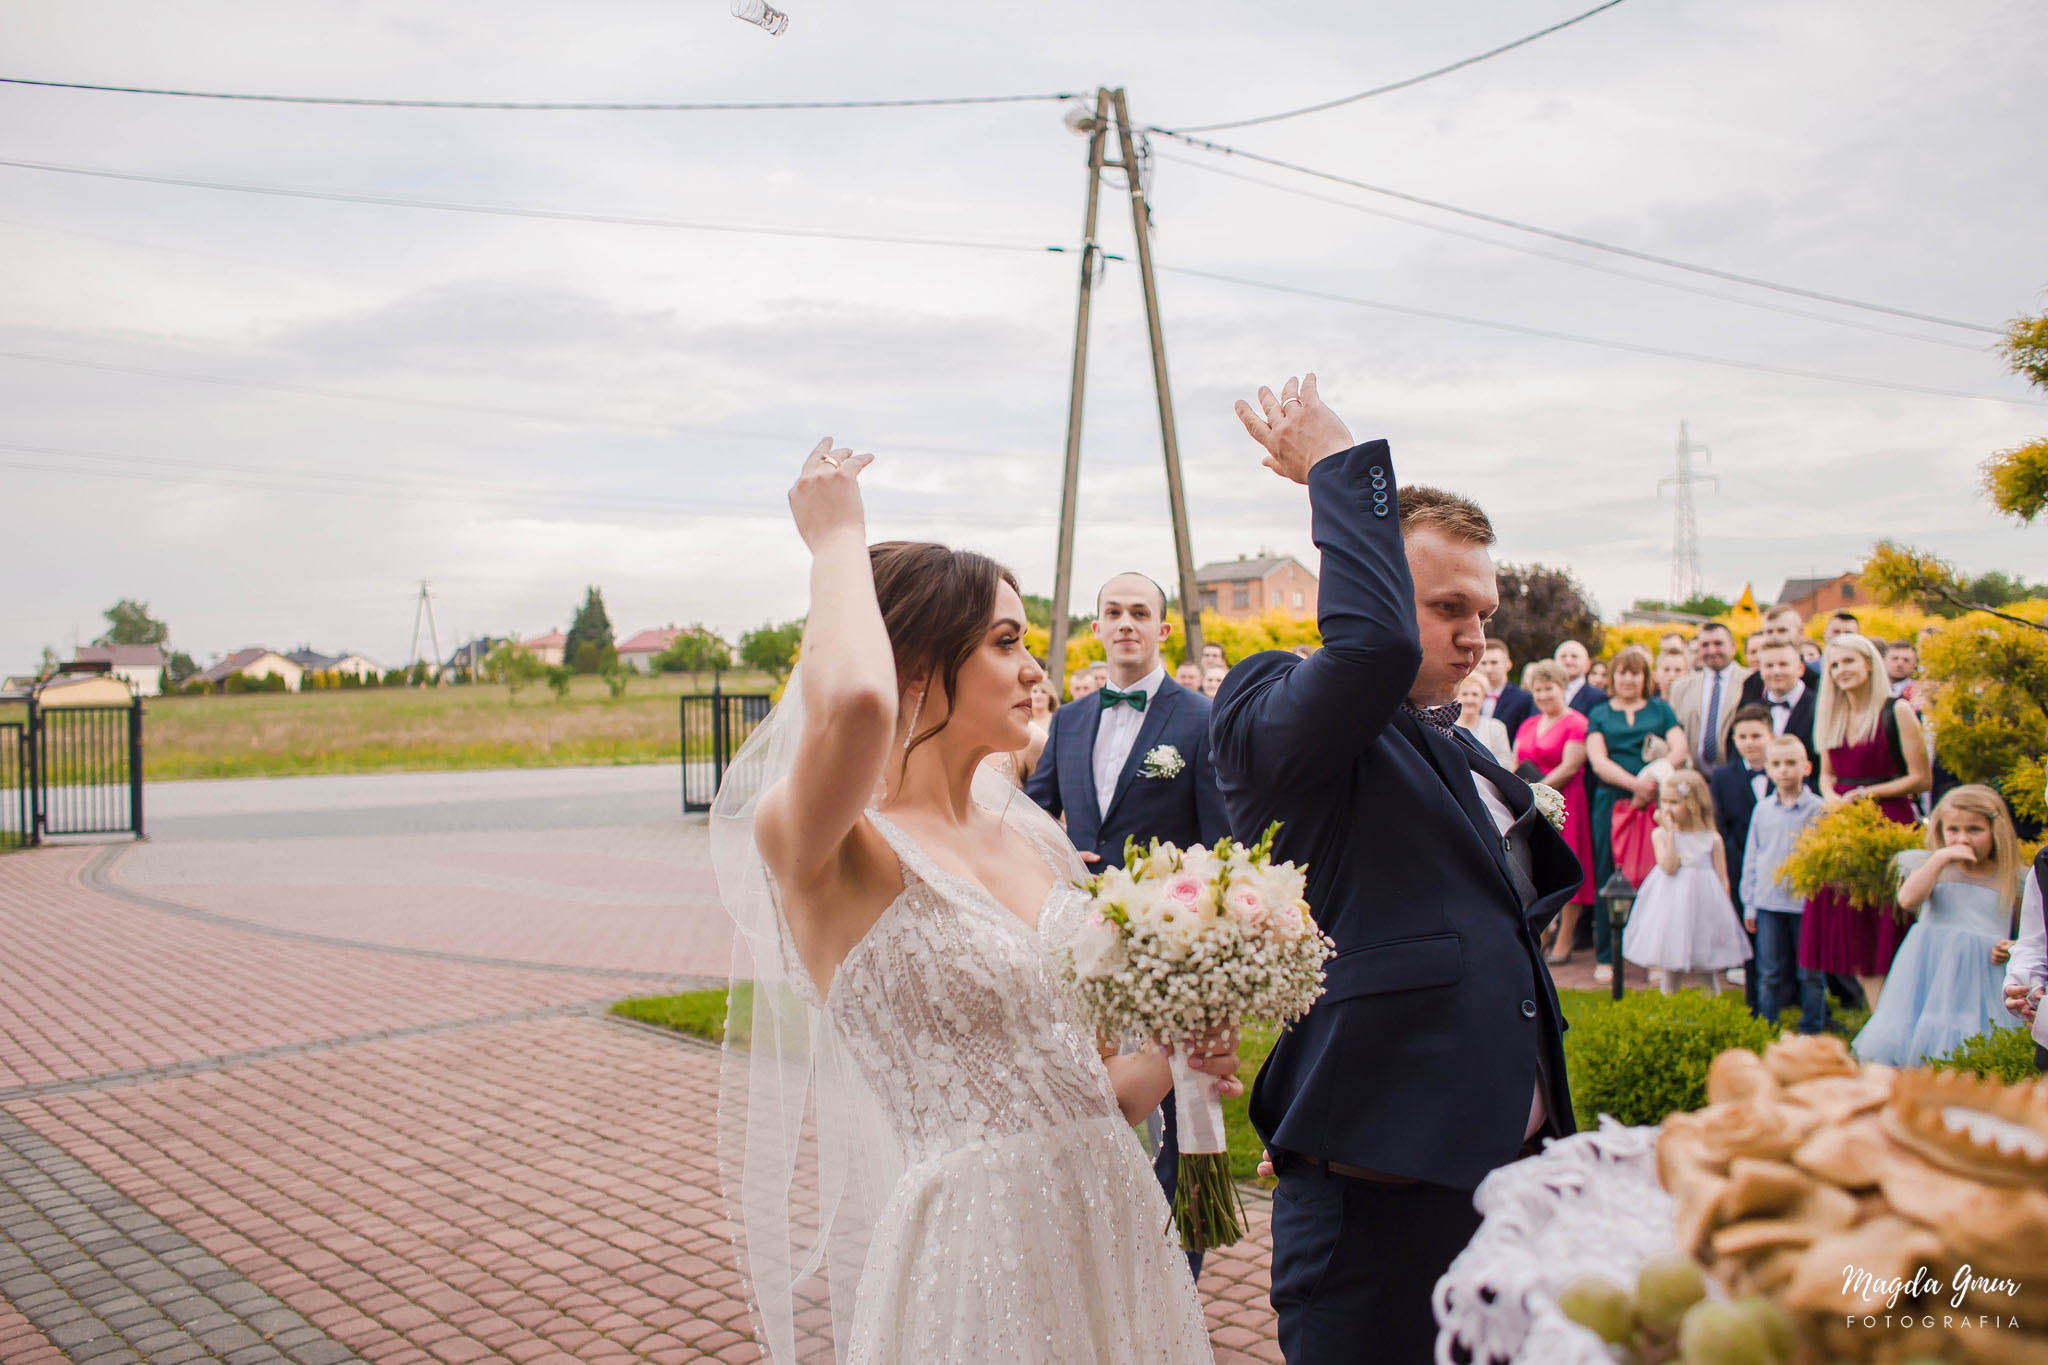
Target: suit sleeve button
{"points": [[1528, 1009], [1377, 472]]}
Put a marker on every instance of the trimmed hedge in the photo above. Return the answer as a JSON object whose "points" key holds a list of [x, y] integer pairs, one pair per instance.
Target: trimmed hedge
{"points": [[2005, 1054], [1648, 1055]]}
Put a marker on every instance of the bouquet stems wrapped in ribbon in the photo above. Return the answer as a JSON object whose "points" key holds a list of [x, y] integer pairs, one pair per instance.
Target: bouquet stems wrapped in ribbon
{"points": [[1185, 945]]}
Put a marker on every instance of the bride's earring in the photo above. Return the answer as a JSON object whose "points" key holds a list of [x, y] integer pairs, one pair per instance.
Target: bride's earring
{"points": [[915, 712]]}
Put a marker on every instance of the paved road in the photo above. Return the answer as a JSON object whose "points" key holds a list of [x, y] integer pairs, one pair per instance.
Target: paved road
{"points": [[320, 1073]]}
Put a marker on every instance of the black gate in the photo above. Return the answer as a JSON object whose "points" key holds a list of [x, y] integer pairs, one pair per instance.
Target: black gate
{"points": [[17, 808], [714, 727], [71, 770]]}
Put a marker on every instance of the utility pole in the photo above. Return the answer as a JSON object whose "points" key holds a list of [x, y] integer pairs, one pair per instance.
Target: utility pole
{"points": [[1141, 224], [1107, 103], [1063, 566], [423, 608], [1686, 579]]}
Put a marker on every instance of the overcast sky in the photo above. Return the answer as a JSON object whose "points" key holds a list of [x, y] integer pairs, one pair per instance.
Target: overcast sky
{"points": [[575, 403]]}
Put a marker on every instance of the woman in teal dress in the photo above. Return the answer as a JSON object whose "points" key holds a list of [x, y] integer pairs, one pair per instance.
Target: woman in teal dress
{"points": [[1946, 985], [1632, 713]]}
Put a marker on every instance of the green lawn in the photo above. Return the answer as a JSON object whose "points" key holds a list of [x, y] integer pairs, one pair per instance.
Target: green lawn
{"points": [[703, 1013], [378, 729]]}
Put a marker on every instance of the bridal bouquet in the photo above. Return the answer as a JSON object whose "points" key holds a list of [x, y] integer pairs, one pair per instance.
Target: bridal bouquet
{"points": [[1185, 943]]}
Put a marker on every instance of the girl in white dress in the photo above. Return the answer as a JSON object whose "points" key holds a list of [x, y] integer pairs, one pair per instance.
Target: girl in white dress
{"points": [[1684, 920], [926, 1156]]}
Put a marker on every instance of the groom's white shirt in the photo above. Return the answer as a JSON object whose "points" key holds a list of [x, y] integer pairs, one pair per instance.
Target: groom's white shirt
{"points": [[1503, 821], [1117, 733]]}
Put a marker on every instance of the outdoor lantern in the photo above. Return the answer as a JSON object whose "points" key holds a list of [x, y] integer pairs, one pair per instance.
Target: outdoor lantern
{"points": [[1617, 898]]}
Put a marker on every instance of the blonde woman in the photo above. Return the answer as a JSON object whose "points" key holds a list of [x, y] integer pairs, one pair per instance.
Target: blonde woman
{"points": [[1491, 734], [1871, 749]]}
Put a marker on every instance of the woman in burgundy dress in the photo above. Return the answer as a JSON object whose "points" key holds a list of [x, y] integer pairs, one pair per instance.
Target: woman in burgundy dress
{"points": [[1870, 748], [1554, 740]]}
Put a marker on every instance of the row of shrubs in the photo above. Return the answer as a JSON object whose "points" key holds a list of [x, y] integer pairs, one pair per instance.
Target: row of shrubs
{"points": [[1647, 1055]]}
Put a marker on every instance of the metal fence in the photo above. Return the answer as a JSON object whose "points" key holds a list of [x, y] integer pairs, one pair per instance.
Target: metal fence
{"points": [[714, 727], [71, 770], [17, 809]]}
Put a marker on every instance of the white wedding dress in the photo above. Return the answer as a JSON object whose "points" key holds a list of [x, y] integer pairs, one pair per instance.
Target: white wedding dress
{"points": [[1026, 1224]]}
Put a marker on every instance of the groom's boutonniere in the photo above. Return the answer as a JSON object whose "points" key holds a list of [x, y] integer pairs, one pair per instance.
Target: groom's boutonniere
{"points": [[1550, 801], [1163, 761]]}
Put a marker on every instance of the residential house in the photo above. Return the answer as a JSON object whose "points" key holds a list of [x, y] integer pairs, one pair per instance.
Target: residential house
{"points": [[93, 688], [638, 653], [140, 666], [255, 662], [547, 648], [351, 665], [469, 659], [1248, 586], [1822, 596]]}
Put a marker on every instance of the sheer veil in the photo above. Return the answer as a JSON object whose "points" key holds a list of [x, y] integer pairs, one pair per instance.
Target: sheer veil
{"points": [[805, 1154]]}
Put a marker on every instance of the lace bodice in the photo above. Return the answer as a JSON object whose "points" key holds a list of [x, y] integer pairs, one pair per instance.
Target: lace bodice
{"points": [[953, 1009], [1695, 848]]}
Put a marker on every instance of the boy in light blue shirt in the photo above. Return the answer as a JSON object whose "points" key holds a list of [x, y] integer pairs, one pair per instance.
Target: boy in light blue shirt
{"points": [[1771, 910]]}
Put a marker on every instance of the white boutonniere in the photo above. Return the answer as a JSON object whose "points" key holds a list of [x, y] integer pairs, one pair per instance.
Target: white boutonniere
{"points": [[1550, 801], [1163, 761]]}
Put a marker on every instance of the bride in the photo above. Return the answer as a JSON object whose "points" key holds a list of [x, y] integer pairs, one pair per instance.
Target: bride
{"points": [[926, 1156]]}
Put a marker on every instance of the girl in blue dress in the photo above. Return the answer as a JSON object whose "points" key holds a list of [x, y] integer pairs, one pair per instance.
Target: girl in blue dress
{"points": [[1946, 984]]}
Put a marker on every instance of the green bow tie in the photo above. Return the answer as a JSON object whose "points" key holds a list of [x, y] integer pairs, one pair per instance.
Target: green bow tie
{"points": [[1134, 698]]}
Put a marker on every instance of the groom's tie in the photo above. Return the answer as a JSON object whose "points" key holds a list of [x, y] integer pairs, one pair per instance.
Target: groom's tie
{"points": [[1134, 698], [1442, 719]]}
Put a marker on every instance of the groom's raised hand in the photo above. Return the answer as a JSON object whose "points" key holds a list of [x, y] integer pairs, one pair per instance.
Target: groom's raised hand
{"points": [[1296, 428]]}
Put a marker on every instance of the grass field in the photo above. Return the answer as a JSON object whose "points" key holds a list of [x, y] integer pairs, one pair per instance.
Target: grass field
{"points": [[703, 1013], [398, 729]]}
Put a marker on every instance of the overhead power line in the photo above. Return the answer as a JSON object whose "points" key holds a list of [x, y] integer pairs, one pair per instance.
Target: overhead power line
{"points": [[1578, 262], [1634, 348], [564, 419], [1573, 238], [1401, 84], [512, 211], [551, 106]]}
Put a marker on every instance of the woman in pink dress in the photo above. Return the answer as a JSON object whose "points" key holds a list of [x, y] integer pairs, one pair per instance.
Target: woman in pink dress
{"points": [[1554, 741], [1870, 748]]}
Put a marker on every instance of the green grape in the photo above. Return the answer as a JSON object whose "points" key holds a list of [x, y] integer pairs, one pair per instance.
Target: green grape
{"points": [[1666, 1286], [1778, 1329], [1713, 1333], [1600, 1306]]}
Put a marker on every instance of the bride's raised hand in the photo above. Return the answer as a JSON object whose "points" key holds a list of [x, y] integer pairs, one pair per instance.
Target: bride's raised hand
{"points": [[825, 499]]}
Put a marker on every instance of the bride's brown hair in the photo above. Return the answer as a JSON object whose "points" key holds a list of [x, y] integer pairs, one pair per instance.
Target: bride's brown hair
{"points": [[936, 602]]}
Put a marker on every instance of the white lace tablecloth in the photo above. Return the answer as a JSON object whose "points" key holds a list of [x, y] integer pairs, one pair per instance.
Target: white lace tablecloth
{"points": [[1589, 1204]]}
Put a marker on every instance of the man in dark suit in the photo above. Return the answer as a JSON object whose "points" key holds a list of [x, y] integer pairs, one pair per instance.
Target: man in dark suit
{"points": [[1435, 1053], [1132, 760], [1737, 786], [1784, 623], [1505, 702], [1579, 694], [1785, 695]]}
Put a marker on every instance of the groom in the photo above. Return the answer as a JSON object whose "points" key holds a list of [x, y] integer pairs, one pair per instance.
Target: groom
{"points": [[1435, 1052], [1132, 761]]}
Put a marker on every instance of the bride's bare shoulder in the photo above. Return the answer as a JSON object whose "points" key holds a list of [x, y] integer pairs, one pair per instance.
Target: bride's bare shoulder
{"points": [[815, 871]]}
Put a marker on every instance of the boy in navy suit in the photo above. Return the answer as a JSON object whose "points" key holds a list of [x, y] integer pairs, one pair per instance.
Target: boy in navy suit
{"points": [[1737, 786], [1133, 761]]}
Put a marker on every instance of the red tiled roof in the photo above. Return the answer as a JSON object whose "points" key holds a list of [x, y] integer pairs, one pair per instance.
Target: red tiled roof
{"points": [[554, 639], [651, 641], [121, 656]]}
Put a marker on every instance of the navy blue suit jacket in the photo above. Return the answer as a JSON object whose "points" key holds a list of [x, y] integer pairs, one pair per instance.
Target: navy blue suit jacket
{"points": [[1586, 698], [1734, 803], [1439, 1019], [1184, 809], [1514, 707]]}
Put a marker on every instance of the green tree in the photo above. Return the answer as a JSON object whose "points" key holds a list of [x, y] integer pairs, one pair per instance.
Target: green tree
{"points": [[772, 648], [129, 623], [1541, 608], [1038, 612], [2016, 480], [589, 646], [559, 679], [515, 666], [695, 650]]}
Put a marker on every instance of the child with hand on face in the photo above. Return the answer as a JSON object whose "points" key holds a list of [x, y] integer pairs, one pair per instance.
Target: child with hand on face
{"points": [[1684, 920], [1771, 910], [1947, 984]]}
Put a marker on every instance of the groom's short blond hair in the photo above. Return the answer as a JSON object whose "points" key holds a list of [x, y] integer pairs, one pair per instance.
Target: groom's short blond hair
{"points": [[1454, 514]]}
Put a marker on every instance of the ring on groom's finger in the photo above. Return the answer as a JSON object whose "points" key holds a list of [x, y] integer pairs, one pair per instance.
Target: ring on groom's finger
{"points": [[1285, 401]]}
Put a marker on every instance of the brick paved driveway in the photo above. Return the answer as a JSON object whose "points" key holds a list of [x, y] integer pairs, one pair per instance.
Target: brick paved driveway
{"points": [[321, 1074]]}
